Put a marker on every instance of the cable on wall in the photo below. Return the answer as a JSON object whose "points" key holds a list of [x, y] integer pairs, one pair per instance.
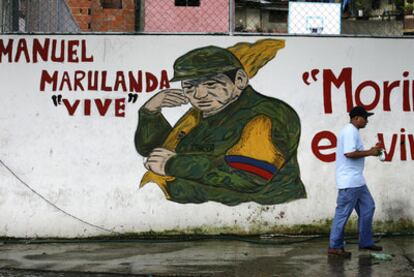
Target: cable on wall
{"points": [[54, 205]]}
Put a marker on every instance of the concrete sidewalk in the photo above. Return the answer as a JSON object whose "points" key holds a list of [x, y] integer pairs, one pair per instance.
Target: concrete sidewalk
{"points": [[219, 257]]}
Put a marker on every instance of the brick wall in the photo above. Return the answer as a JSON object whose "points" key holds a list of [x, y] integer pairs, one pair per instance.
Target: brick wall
{"points": [[91, 16], [80, 11]]}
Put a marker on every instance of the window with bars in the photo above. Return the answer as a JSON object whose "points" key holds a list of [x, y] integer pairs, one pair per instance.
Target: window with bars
{"points": [[187, 3], [277, 16], [111, 4]]}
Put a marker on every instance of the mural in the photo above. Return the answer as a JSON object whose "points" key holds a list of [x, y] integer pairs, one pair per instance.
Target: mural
{"points": [[69, 110], [234, 145]]}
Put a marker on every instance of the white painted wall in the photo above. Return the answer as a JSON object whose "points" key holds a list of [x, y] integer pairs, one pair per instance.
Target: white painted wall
{"points": [[87, 166]]}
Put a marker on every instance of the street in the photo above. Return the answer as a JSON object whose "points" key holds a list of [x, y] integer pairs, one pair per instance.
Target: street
{"points": [[226, 256]]}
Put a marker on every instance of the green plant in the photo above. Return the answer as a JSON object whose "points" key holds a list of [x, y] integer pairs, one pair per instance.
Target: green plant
{"points": [[364, 6], [409, 8], [399, 4], [360, 4]]}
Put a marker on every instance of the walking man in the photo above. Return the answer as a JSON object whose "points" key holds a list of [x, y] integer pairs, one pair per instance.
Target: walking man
{"points": [[353, 192]]}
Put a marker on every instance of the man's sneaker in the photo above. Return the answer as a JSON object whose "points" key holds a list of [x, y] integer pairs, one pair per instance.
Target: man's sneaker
{"points": [[340, 252], [372, 248]]}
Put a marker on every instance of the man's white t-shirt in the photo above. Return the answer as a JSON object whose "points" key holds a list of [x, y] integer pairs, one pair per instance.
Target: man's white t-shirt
{"points": [[349, 172]]}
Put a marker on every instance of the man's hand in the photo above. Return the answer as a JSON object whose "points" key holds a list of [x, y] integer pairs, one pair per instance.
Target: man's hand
{"points": [[375, 151], [157, 160], [166, 98]]}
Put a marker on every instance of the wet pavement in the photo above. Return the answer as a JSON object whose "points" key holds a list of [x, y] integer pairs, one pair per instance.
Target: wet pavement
{"points": [[212, 257]]}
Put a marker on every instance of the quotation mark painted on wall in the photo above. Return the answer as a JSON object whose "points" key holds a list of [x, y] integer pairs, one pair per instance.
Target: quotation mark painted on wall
{"points": [[314, 74], [57, 100], [132, 97]]}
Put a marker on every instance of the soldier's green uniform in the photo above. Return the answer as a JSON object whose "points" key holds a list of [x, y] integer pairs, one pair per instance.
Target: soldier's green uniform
{"points": [[216, 160]]}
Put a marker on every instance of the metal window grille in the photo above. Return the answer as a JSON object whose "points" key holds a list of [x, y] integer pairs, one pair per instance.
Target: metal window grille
{"points": [[36, 16], [357, 17]]}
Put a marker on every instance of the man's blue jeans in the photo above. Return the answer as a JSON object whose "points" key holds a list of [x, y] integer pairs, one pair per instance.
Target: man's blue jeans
{"points": [[349, 199]]}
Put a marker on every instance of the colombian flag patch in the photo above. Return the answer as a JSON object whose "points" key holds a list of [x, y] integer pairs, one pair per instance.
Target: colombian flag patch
{"points": [[260, 168]]}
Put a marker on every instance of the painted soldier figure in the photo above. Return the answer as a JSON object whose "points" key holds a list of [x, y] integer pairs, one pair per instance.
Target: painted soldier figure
{"points": [[234, 145]]}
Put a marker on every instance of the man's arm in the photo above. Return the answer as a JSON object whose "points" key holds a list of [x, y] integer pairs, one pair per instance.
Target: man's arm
{"points": [[374, 151], [246, 167], [350, 144], [212, 171], [153, 128]]}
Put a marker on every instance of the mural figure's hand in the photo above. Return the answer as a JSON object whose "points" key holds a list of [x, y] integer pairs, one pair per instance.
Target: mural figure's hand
{"points": [[157, 160], [166, 98]]}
